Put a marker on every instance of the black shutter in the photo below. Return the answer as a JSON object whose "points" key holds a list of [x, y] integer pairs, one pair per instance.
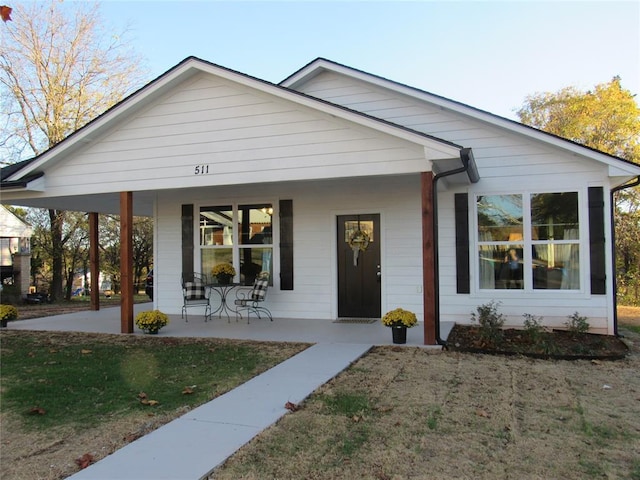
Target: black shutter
{"points": [[187, 239], [597, 241], [463, 281], [286, 245]]}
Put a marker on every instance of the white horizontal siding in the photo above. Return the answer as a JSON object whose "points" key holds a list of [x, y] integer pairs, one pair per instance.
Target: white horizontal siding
{"points": [[242, 135], [316, 205]]}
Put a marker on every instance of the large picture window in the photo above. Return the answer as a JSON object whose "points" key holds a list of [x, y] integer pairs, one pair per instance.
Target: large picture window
{"points": [[528, 242], [240, 235]]}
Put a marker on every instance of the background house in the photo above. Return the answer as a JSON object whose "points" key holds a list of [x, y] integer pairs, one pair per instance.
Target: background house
{"points": [[15, 251]]}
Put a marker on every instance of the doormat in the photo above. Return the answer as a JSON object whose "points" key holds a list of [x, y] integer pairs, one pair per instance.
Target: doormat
{"points": [[356, 320]]}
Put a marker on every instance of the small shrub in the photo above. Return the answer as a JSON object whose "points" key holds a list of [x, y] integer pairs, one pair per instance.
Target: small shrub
{"points": [[533, 327], [577, 324], [490, 321]]}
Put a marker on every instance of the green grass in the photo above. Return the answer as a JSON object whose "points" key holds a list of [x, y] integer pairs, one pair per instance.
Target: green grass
{"points": [[84, 383], [348, 404]]}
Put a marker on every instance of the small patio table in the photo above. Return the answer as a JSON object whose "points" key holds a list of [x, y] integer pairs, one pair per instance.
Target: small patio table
{"points": [[223, 291]]}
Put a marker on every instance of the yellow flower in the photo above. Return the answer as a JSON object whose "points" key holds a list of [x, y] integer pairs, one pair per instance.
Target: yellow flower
{"points": [[399, 318], [152, 320], [8, 312], [223, 268]]}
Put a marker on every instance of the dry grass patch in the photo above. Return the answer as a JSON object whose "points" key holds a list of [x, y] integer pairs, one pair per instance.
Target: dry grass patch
{"points": [[412, 413]]}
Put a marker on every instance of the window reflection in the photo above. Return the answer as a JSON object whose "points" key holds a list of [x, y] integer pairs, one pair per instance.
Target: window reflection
{"points": [[544, 254]]}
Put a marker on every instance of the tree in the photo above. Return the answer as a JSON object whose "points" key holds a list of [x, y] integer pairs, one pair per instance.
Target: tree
{"points": [[606, 118], [59, 68]]}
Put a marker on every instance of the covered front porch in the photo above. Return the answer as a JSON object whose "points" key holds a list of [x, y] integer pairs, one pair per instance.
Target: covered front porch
{"points": [[107, 320]]}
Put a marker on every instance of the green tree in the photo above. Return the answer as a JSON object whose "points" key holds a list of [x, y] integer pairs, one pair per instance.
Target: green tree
{"points": [[60, 67], [606, 118]]}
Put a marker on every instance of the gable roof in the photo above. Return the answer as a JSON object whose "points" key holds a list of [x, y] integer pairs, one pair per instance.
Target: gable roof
{"points": [[617, 166], [19, 175]]}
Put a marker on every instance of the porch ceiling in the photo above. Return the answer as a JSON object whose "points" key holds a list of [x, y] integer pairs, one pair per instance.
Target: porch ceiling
{"points": [[108, 203]]}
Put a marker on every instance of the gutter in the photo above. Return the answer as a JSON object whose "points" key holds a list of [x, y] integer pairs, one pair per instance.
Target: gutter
{"points": [[613, 250], [468, 166]]}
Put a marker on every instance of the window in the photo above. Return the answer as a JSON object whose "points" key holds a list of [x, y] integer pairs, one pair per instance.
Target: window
{"points": [[240, 235], [529, 242]]}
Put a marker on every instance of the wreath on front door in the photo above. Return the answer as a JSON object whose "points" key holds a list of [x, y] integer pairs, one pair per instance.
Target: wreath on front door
{"points": [[358, 241]]}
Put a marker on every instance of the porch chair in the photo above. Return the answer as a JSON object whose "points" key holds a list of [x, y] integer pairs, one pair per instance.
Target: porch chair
{"points": [[195, 294], [250, 299]]}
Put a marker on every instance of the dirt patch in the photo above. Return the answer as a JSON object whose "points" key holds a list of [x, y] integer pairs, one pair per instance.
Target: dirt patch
{"points": [[557, 344]]}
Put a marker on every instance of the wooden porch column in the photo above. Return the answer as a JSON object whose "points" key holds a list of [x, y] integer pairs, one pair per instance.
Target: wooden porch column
{"points": [[428, 259], [94, 261], [126, 262]]}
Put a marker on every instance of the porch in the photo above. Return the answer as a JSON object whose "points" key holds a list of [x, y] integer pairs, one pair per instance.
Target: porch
{"points": [[107, 320]]}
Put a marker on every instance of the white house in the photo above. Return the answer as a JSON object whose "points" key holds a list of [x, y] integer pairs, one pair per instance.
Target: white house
{"points": [[454, 207], [15, 250]]}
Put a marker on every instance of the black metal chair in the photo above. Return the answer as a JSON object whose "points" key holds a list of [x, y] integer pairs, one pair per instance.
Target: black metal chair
{"points": [[251, 299], [195, 294]]}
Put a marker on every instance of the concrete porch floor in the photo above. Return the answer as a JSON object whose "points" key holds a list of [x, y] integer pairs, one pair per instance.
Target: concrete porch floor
{"points": [[107, 320]]}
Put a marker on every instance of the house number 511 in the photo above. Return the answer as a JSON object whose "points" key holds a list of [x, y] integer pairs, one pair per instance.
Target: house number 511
{"points": [[201, 170]]}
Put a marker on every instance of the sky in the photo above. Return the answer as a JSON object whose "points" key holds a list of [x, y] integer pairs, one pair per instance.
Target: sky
{"points": [[486, 54]]}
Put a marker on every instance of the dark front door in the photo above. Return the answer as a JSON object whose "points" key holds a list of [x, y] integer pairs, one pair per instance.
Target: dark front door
{"points": [[359, 266]]}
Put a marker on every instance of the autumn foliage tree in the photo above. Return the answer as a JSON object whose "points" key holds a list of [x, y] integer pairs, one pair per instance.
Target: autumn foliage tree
{"points": [[60, 67], [606, 118]]}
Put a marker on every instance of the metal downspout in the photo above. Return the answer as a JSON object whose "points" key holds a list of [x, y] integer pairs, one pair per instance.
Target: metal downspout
{"points": [[466, 155], [613, 250]]}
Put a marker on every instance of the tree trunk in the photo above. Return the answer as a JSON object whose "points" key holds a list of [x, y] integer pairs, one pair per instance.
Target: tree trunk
{"points": [[56, 217]]}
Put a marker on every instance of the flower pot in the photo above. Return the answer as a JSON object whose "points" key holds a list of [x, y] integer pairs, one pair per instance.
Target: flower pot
{"points": [[152, 331], [399, 334], [224, 278]]}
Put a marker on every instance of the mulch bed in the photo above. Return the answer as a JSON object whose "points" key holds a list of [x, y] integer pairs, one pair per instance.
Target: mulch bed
{"points": [[557, 344]]}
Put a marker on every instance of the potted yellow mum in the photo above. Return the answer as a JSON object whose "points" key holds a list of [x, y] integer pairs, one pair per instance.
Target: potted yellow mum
{"points": [[151, 321], [7, 312], [399, 320], [224, 272]]}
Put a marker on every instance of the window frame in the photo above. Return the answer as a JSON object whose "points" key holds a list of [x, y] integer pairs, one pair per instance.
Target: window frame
{"points": [[236, 247], [528, 243]]}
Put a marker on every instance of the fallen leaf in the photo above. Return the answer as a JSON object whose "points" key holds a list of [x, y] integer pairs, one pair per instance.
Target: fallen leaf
{"points": [[187, 391], [482, 413], [292, 407], [132, 437], [85, 351], [153, 402], [84, 461], [37, 411], [142, 395], [596, 362], [357, 418], [5, 13]]}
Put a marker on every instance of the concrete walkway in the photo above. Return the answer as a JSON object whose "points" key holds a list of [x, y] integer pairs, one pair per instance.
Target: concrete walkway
{"points": [[190, 447]]}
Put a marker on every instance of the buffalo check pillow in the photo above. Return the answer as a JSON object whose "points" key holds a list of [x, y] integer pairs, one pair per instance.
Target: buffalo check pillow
{"points": [[194, 291]]}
